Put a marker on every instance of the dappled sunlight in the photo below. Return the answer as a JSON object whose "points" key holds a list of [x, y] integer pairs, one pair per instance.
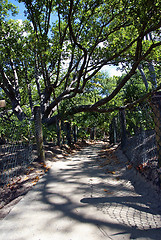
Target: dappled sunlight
{"points": [[90, 187], [78, 198]]}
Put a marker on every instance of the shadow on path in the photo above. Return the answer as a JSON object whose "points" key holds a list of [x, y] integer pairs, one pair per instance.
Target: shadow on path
{"points": [[77, 200], [133, 215]]}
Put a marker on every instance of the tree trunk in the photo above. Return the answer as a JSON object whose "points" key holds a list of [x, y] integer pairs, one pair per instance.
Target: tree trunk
{"points": [[39, 134], [152, 75], [28, 89], [143, 76]]}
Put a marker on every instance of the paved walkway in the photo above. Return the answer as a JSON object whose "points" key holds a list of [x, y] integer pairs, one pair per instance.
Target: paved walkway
{"points": [[77, 200]]}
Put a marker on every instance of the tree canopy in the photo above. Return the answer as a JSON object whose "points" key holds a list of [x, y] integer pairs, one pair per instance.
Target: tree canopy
{"points": [[56, 54]]}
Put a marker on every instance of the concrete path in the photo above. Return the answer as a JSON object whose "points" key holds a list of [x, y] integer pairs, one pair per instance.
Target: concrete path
{"points": [[76, 200]]}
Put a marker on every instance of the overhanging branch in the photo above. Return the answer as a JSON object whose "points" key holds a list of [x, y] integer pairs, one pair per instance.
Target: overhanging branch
{"points": [[125, 79]]}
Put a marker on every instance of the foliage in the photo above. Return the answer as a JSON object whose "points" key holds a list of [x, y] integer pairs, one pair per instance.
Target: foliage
{"points": [[49, 134], [54, 58], [134, 89], [13, 130], [140, 118]]}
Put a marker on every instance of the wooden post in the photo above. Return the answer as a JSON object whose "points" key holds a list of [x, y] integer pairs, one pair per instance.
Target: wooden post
{"points": [[68, 127], [2, 103], [123, 128], [92, 133], [39, 134], [75, 129], [58, 131], [63, 131]]}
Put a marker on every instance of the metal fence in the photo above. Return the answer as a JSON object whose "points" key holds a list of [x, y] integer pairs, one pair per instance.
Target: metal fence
{"points": [[15, 147], [139, 131]]}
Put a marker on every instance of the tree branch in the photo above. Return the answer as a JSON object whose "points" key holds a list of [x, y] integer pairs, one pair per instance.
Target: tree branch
{"points": [[125, 79]]}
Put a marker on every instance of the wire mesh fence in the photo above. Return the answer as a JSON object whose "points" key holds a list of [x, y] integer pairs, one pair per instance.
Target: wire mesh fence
{"points": [[139, 131], [15, 147]]}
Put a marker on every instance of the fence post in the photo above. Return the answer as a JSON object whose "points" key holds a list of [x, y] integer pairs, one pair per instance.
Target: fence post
{"points": [[58, 131], [68, 127], [75, 129], [123, 128], [113, 131], [63, 131], [39, 134], [92, 133], [2, 103]]}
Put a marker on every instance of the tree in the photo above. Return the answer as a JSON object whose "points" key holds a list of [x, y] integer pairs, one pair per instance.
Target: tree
{"points": [[59, 59]]}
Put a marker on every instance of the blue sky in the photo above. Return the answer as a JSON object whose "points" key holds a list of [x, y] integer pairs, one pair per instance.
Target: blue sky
{"points": [[21, 8]]}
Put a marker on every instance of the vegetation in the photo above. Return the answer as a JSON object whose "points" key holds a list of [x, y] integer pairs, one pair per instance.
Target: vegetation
{"points": [[54, 58]]}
